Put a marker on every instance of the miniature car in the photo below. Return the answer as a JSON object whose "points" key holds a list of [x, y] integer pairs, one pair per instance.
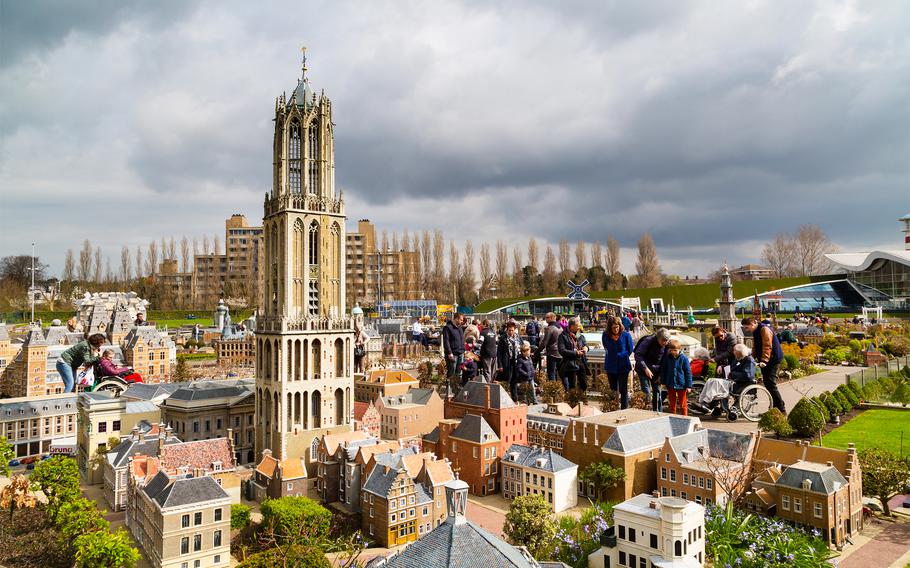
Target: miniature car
{"points": [[14, 463]]}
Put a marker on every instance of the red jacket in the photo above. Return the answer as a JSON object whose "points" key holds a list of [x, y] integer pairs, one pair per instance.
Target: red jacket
{"points": [[108, 369]]}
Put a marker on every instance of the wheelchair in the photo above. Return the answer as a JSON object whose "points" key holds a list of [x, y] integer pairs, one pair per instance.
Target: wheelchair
{"points": [[750, 400]]}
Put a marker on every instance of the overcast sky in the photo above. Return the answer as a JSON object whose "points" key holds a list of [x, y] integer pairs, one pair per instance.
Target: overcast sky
{"points": [[713, 125]]}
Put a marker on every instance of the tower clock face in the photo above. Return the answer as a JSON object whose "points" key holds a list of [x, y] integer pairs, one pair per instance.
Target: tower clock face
{"points": [[314, 271]]}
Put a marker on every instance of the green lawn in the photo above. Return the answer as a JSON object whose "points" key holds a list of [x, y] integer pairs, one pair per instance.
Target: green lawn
{"points": [[880, 428], [175, 323]]}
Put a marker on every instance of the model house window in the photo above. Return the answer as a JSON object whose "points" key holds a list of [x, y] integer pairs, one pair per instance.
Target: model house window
{"points": [[667, 458], [216, 541], [622, 532], [663, 473], [685, 479], [710, 483], [654, 541], [217, 559], [698, 499], [185, 521], [632, 559], [185, 545], [818, 510], [102, 427], [197, 518], [663, 491], [672, 475], [426, 511], [682, 494], [631, 534], [197, 563], [115, 425], [798, 505], [622, 558], [701, 482], [217, 514], [672, 493], [785, 501]]}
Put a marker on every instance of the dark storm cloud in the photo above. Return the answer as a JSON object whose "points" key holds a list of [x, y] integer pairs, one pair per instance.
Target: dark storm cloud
{"points": [[713, 126]]}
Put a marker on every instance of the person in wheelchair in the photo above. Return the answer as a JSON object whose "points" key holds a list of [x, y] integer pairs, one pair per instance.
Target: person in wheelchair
{"points": [[717, 392], [107, 368]]}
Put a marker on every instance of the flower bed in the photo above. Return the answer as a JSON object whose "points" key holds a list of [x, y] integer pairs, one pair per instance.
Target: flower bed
{"points": [[735, 538]]}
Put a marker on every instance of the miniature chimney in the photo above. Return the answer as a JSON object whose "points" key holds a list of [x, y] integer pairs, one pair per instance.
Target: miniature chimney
{"points": [[488, 386], [135, 433], [829, 463], [456, 501]]}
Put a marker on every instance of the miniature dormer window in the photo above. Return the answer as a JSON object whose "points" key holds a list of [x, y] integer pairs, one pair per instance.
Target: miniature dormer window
{"points": [[807, 484], [216, 466]]}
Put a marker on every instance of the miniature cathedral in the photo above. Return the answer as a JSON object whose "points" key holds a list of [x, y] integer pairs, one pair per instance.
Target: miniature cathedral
{"points": [[305, 351]]}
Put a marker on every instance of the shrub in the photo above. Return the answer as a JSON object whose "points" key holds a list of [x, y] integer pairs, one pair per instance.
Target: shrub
{"points": [[640, 400], [842, 400], [897, 346], [530, 523], [829, 341], [872, 390], [822, 409], [830, 402], [855, 345], [791, 362], [286, 514], [805, 418], [834, 356], [901, 394], [240, 516], [852, 399], [856, 388], [775, 421]]}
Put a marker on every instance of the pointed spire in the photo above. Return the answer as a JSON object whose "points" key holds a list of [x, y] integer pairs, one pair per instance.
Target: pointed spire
{"points": [[303, 64]]}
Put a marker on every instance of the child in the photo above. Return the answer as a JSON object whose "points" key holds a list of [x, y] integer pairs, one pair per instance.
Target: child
{"points": [[699, 362], [524, 373], [469, 367], [676, 375]]}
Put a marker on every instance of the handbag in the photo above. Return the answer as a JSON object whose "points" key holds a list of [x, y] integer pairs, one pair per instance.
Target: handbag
{"points": [[86, 377], [359, 351]]}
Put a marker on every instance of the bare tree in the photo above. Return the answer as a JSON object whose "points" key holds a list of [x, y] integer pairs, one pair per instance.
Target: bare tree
{"points": [[384, 241], [611, 263], [195, 248], [486, 271], [184, 254], [647, 265], [502, 269], [780, 255], [108, 273], [517, 272], [151, 260], [581, 256], [426, 255], [139, 262], [206, 249], [69, 266], [811, 244], [171, 249], [563, 258], [533, 254], [454, 270], [395, 243], [596, 259], [216, 240], [468, 284], [85, 261], [438, 264], [550, 278], [125, 265], [98, 265], [732, 469]]}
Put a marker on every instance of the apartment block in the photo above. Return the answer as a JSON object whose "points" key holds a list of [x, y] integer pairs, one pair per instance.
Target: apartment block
{"points": [[377, 383], [410, 415], [472, 447], [375, 273], [275, 478], [491, 401], [32, 424], [236, 273], [537, 471]]}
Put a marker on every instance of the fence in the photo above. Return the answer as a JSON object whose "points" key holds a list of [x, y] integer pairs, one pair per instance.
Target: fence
{"points": [[871, 373]]}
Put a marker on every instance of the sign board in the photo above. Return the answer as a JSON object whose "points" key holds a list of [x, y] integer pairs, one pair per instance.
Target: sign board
{"points": [[577, 291]]}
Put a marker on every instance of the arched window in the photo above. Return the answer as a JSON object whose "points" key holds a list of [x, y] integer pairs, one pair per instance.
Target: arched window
{"points": [[339, 407], [314, 449], [306, 412], [290, 412], [317, 359], [677, 548], [339, 358], [313, 258], [313, 143], [294, 157], [317, 409]]}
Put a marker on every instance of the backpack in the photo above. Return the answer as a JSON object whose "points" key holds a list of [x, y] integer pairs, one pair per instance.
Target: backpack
{"points": [[533, 328]]}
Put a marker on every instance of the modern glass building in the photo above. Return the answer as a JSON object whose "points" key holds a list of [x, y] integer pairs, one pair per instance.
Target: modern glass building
{"points": [[832, 296], [882, 273]]}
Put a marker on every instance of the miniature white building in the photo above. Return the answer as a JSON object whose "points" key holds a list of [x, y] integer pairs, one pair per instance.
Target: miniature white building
{"points": [[648, 531], [539, 471]]}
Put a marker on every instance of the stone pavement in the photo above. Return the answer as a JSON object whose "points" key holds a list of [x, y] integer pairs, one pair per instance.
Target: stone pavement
{"points": [[887, 543]]}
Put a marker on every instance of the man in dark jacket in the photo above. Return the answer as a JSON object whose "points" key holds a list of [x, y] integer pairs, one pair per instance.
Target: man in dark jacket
{"points": [[572, 348], [724, 342], [767, 353], [509, 350], [649, 353], [453, 345], [487, 351], [549, 347]]}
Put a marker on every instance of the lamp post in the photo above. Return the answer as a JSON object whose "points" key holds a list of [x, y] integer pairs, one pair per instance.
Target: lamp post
{"points": [[31, 291]]}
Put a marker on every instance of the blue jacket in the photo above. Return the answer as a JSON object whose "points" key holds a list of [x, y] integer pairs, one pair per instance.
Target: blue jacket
{"points": [[626, 322], [743, 371], [675, 373], [525, 371], [616, 356]]}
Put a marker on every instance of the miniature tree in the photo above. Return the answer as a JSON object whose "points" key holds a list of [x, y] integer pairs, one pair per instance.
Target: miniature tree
{"points": [[16, 495], [604, 476], [7, 454], [284, 514], [805, 418], [181, 372], [58, 479], [553, 392], [103, 549], [530, 523], [884, 475], [240, 516], [79, 517], [901, 394], [775, 421]]}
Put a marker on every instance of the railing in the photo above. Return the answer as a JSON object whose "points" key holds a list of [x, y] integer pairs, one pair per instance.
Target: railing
{"points": [[280, 324], [868, 374], [304, 202]]}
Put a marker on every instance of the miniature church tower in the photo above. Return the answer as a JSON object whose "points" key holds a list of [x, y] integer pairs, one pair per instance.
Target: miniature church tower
{"points": [[305, 346], [727, 304]]}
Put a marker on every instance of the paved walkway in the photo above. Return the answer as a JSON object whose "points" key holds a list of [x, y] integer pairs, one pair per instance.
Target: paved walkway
{"points": [[887, 543], [791, 391]]}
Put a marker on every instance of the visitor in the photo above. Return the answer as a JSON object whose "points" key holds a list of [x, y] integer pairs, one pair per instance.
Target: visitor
{"points": [[769, 354], [509, 350], [471, 331], [699, 363], [73, 325], [649, 354], [469, 367], [108, 368], [626, 321], [140, 319], [418, 335], [549, 346], [487, 342], [724, 341], [618, 347], [360, 348], [532, 330], [676, 375], [524, 373], [786, 335], [83, 354], [572, 348], [453, 345], [563, 322]]}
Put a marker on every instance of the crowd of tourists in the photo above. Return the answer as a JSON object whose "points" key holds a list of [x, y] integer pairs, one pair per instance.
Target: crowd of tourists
{"points": [[477, 350]]}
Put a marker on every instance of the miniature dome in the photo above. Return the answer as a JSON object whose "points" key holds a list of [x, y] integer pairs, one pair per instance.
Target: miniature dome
{"points": [[357, 310]]}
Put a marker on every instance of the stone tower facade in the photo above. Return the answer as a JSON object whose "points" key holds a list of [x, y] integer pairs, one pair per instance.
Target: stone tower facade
{"points": [[727, 305], [305, 345]]}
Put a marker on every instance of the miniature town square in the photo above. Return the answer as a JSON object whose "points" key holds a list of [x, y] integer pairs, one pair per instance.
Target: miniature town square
{"points": [[513, 376]]}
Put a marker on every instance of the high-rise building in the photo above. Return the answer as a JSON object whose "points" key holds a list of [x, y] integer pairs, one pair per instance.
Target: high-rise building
{"points": [[376, 273], [238, 272], [305, 345]]}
